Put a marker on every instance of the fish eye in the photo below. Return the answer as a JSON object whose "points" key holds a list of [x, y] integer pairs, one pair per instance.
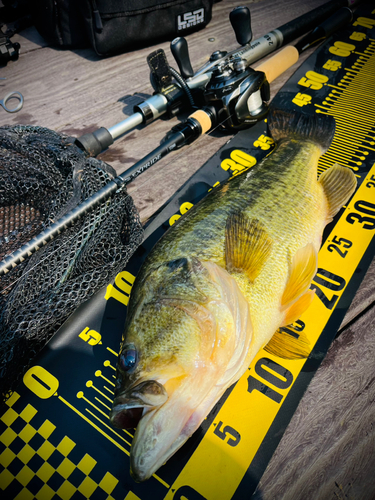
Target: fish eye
{"points": [[128, 358]]}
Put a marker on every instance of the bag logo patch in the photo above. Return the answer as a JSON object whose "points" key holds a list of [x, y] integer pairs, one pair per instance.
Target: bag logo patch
{"points": [[189, 19]]}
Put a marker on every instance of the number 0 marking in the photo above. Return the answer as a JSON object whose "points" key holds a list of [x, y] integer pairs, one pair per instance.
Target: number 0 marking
{"points": [[187, 493], [40, 382]]}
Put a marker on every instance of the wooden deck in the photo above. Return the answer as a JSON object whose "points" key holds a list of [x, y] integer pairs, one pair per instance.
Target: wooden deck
{"points": [[328, 450]]}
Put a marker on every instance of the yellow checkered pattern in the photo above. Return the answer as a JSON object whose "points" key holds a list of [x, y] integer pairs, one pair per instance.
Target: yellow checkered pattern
{"points": [[20, 480]]}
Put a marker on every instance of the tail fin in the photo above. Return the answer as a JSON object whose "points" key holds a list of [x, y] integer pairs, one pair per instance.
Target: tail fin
{"points": [[286, 124]]}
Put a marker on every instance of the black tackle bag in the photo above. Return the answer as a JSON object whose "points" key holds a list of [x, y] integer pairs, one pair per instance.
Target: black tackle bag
{"points": [[115, 26]]}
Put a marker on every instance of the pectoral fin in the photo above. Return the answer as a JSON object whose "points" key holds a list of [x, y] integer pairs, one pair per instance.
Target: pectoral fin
{"points": [[287, 346], [302, 271], [339, 184], [247, 245]]}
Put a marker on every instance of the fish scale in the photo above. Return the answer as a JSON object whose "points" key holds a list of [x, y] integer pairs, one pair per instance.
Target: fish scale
{"points": [[219, 284]]}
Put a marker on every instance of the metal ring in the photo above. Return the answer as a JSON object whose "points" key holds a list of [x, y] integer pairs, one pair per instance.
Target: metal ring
{"points": [[17, 95]]}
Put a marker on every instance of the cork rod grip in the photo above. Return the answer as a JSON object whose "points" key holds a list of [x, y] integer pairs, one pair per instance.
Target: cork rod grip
{"points": [[203, 118], [279, 63]]}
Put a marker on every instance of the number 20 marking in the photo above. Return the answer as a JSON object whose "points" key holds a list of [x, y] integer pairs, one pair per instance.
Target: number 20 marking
{"points": [[327, 280]]}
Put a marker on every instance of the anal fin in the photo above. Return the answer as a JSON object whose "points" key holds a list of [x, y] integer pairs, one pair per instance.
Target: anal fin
{"points": [[298, 307], [302, 271], [339, 184], [247, 245], [286, 346]]}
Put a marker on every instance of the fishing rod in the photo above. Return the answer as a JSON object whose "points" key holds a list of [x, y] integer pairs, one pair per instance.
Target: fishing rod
{"points": [[291, 53], [188, 91], [250, 106], [197, 124]]}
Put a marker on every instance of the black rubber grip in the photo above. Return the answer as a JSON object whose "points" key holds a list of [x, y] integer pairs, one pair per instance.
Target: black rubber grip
{"points": [[337, 21], [306, 22], [95, 142]]}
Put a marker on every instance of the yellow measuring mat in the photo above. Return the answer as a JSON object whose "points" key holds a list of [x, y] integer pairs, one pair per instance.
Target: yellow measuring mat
{"points": [[56, 440]]}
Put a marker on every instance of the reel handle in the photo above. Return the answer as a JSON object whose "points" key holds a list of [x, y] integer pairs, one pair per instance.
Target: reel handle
{"points": [[241, 23], [180, 51]]}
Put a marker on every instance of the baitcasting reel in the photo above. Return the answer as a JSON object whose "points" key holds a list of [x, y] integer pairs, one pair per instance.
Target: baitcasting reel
{"points": [[234, 93], [238, 93]]}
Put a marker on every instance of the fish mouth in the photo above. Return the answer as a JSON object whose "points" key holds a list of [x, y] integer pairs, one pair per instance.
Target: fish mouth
{"points": [[126, 418], [162, 424], [160, 433], [129, 406]]}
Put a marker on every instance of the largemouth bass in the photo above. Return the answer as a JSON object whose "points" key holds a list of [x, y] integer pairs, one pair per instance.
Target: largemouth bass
{"points": [[219, 284]]}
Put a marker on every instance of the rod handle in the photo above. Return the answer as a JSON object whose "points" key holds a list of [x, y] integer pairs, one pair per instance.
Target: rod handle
{"points": [[204, 120], [280, 62]]}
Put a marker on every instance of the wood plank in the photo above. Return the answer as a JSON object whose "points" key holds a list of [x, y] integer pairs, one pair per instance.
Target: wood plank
{"points": [[328, 449], [364, 298]]}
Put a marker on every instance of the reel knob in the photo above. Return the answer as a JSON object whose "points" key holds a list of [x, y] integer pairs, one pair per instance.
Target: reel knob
{"points": [[179, 49], [241, 23], [218, 54]]}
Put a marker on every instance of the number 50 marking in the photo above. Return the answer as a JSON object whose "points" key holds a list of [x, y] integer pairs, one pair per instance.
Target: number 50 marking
{"points": [[313, 80]]}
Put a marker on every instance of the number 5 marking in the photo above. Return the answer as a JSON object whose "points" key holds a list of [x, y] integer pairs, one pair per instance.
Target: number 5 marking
{"points": [[236, 437], [90, 336]]}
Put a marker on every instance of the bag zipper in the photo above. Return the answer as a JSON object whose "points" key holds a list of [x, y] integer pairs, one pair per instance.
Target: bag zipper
{"points": [[96, 16]]}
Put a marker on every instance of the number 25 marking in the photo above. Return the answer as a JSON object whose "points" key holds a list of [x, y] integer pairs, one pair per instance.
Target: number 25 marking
{"points": [[371, 182], [336, 244]]}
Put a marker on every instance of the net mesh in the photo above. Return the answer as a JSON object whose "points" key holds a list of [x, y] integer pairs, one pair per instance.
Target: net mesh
{"points": [[43, 175]]}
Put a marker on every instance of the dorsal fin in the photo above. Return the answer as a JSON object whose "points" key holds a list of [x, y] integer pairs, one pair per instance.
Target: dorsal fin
{"points": [[285, 123], [247, 245], [339, 184], [286, 346], [302, 271]]}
